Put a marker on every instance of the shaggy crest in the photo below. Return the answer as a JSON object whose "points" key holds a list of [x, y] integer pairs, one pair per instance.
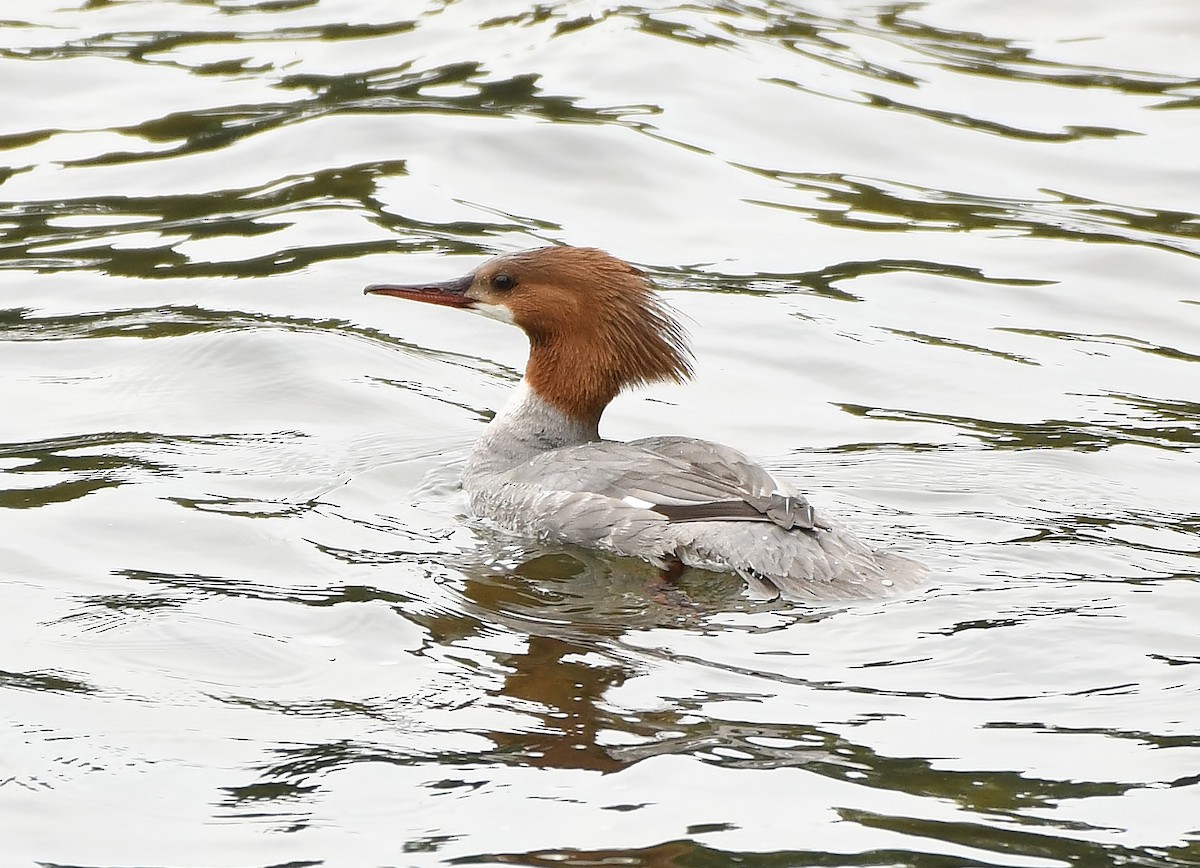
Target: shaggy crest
{"points": [[595, 325]]}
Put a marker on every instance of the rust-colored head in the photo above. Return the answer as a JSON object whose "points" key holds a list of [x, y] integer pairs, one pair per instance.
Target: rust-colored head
{"points": [[595, 324]]}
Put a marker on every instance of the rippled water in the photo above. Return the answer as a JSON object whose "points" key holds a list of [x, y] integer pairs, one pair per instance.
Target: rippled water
{"points": [[941, 265]]}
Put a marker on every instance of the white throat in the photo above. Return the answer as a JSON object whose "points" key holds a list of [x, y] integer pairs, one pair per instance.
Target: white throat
{"points": [[525, 427], [493, 311]]}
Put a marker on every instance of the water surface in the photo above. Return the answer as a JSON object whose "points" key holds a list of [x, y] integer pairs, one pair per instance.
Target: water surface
{"points": [[939, 261]]}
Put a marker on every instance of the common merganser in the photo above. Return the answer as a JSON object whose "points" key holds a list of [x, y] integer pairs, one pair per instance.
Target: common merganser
{"points": [[540, 469]]}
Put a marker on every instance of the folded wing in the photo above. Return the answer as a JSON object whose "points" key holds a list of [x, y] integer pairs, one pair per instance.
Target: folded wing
{"points": [[681, 479]]}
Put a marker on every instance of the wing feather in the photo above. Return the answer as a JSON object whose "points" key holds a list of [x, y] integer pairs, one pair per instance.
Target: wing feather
{"points": [[676, 477]]}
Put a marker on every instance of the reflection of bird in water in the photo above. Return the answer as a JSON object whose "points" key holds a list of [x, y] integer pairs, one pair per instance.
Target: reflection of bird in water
{"points": [[571, 610], [562, 692]]}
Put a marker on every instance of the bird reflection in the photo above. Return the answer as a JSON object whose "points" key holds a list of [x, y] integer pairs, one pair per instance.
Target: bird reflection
{"points": [[567, 605], [572, 608], [567, 693]]}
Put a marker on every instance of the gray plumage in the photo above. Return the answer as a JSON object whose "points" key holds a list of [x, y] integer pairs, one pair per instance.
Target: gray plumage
{"points": [[540, 474]]}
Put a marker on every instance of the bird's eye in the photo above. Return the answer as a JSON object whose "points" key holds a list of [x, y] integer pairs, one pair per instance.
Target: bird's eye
{"points": [[503, 282]]}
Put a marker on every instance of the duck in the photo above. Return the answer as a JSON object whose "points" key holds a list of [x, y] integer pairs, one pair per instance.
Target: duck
{"points": [[597, 327]]}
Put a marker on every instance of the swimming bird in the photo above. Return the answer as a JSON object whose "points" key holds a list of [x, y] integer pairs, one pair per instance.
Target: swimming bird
{"points": [[596, 326]]}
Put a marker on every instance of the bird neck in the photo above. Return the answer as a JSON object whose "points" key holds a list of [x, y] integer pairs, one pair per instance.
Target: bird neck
{"points": [[527, 426]]}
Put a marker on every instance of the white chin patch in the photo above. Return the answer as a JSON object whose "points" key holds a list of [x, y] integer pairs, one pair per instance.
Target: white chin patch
{"points": [[494, 311]]}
